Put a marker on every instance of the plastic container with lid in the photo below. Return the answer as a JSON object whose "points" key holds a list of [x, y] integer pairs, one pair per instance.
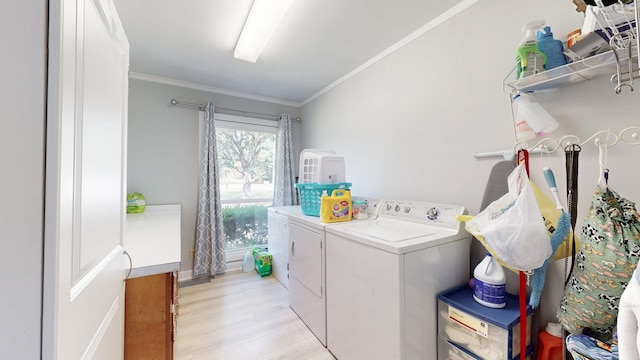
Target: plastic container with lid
{"points": [[550, 344], [483, 332], [359, 208]]}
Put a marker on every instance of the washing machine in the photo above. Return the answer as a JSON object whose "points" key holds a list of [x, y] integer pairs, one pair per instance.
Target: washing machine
{"points": [[383, 278], [307, 277]]}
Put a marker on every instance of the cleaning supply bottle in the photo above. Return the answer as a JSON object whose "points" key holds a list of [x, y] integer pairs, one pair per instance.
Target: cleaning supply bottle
{"points": [[536, 116], [551, 48], [529, 59], [489, 283], [248, 263], [523, 130]]}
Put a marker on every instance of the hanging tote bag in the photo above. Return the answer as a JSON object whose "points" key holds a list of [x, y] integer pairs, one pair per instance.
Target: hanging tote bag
{"points": [[512, 228], [608, 255]]}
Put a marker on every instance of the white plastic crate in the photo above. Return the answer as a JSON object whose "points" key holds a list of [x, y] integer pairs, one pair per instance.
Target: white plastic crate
{"points": [[321, 166]]}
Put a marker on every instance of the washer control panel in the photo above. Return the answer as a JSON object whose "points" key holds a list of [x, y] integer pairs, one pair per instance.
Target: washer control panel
{"points": [[422, 212]]}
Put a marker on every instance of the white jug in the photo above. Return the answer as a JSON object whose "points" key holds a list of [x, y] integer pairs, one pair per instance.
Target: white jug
{"points": [[248, 264]]}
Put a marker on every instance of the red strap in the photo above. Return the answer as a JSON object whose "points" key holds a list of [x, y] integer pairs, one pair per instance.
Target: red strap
{"points": [[523, 315], [523, 155]]}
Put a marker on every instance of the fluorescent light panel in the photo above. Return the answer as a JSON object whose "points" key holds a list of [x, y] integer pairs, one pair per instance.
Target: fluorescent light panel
{"points": [[263, 18]]}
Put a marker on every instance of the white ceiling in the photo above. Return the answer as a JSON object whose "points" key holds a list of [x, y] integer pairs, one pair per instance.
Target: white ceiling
{"points": [[317, 43]]}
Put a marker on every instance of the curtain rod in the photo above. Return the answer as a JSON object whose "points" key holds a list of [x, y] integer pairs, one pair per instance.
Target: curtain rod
{"points": [[202, 107]]}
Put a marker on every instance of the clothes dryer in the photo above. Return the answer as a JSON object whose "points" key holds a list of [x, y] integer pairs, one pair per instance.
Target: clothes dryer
{"points": [[306, 254]]}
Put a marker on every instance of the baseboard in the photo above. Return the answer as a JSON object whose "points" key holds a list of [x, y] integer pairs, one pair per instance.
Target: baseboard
{"points": [[234, 266], [187, 275]]}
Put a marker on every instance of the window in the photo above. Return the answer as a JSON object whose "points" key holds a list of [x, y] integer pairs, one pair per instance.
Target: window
{"points": [[246, 155]]}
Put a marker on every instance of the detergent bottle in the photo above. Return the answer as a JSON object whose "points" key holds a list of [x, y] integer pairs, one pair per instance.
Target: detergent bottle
{"points": [[529, 59], [551, 48], [336, 207], [489, 283]]}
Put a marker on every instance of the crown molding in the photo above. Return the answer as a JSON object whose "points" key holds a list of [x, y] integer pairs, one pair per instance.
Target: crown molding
{"points": [[201, 87], [460, 7]]}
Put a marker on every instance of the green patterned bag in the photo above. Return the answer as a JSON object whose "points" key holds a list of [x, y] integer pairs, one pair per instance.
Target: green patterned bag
{"points": [[608, 255]]}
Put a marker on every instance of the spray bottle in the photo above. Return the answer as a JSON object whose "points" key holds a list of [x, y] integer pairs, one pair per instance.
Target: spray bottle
{"points": [[523, 130], [530, 60], [535, 116]]}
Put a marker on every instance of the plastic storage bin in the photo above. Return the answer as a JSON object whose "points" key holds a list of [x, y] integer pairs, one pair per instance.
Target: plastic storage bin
{"points": [[360, 209], [311, 194], [484, 333], [449, 351], [321, 166]]}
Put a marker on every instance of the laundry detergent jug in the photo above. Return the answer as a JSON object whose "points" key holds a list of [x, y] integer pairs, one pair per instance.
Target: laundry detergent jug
{"points": [[336, 207]]}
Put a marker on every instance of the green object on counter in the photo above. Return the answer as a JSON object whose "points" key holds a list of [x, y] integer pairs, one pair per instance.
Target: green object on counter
{"points": [[135, 203]]}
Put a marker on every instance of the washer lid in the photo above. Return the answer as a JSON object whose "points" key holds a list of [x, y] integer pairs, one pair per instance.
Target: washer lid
{"points": [[395, 236], [392, 230]]}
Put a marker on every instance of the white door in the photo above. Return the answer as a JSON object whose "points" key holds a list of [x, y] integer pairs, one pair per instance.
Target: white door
{"points": [[85, 182], [305, 258]]}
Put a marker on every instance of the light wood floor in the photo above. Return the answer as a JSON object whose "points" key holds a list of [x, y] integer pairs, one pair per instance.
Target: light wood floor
{"points": [[242, 316]]}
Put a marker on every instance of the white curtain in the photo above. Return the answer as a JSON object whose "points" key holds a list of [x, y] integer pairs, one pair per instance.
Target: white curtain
{"points": [[209, 245], [284, 192]]}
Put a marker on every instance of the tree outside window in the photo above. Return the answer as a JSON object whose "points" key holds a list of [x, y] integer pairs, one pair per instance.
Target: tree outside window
{"points": [[246, 159]]}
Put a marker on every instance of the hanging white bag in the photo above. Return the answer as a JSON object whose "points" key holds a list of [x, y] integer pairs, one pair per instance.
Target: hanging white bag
{"points": [[512, 227]]}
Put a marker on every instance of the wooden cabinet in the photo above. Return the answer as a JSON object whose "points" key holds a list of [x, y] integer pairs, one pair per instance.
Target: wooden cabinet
{"points": [[150, 316], [152, 240]]}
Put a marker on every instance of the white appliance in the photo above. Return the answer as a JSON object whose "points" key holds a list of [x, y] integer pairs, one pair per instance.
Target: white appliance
{"points": [[307, 285], [383, 277], [278, 242]]}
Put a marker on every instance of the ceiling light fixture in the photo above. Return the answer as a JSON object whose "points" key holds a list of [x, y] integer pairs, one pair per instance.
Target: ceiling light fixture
{"points": [[263, 18]]}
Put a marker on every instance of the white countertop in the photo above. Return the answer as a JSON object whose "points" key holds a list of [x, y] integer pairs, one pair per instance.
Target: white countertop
{"points": [[153, 240], [295, 213]]}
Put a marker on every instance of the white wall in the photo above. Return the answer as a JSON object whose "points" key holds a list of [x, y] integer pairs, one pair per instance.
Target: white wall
{"points": [[408, 125], [23, 32], [163, 154]]}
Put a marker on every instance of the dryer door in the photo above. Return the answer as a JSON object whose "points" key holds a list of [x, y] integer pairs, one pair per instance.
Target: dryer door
{"points": [[305, 258], [306, 278]]}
